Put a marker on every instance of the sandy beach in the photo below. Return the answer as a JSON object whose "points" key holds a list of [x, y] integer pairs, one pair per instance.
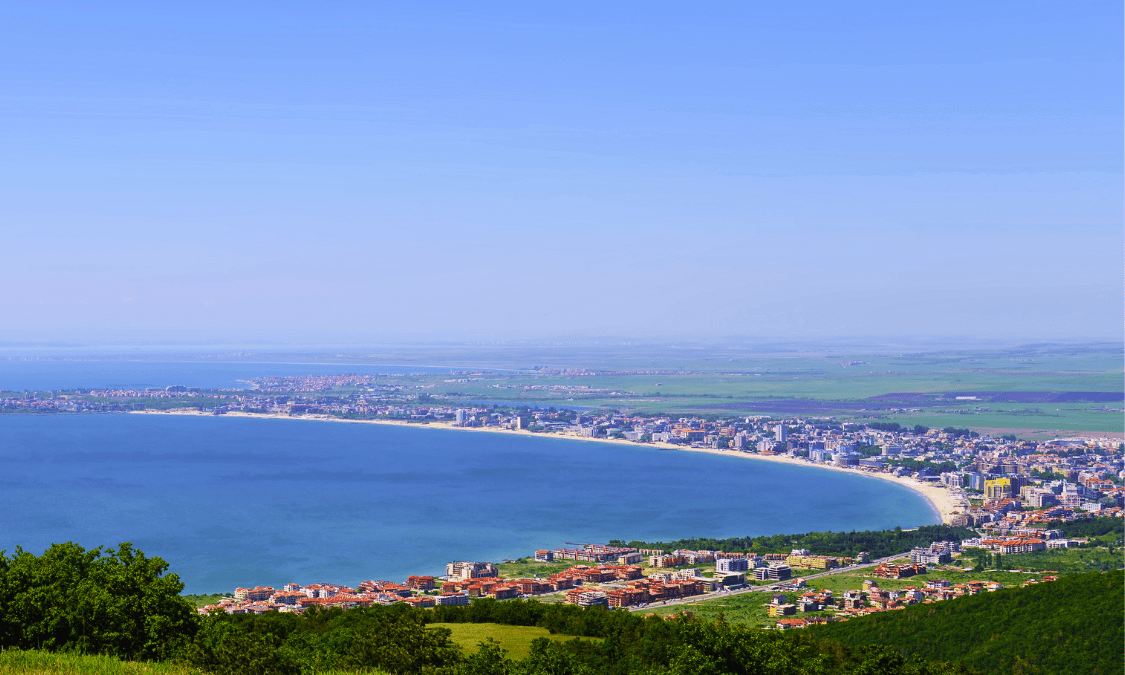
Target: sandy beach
{"points": [[941, 498]]}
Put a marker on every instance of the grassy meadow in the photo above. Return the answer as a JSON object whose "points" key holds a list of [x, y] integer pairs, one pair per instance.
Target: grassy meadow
{"points": [[733, 382], [529, 568], [19, 662], [516, 640]]}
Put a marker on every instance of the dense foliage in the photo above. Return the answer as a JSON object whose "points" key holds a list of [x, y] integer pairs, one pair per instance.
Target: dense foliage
{"points": [[394, 639], [118, 603], [1090, 527], [1073, 625], [879, 543], [923, 465]]}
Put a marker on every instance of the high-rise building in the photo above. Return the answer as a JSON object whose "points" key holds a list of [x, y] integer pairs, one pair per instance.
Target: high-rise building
{"points": [[780, 433], [997, 489], [727, 565]]}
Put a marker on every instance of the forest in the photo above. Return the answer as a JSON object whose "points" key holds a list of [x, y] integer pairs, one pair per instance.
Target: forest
{"points": [[1073, 625], [878, 543], [1089, 527]]}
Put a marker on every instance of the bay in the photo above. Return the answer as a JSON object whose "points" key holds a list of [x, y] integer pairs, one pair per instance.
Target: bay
{"points": [[239, 501]]}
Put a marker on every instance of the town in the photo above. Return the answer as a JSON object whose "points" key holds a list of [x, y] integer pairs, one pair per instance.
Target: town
{"points": [[1007, 489], [628, 578]]}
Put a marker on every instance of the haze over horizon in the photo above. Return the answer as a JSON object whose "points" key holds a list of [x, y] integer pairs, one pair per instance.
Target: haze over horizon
{"points": [[506, 172]]}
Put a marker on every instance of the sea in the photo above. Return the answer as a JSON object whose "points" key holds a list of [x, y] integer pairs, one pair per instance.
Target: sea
{"points": [[233, 501]]}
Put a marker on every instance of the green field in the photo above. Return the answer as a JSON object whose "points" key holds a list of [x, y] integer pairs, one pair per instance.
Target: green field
{"points": [[516, 640], [731, 382], [17, 662], [207, 599], [781, 381], [1023, 417], [1067, 561], [748, 608], [528, 568]]}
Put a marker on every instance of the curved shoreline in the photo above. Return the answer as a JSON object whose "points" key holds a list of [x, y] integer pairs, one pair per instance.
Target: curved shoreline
{"points": [[939, 498]]}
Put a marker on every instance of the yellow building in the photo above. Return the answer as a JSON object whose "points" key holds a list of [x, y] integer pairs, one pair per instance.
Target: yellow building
{"points": [[816, 562], [998, 488]]}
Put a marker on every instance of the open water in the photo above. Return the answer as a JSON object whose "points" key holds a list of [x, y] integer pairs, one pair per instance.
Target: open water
{"points": [[53, 374], [233, 501]]}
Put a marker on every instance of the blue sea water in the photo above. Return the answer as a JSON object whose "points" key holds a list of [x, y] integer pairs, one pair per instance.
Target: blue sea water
{"points": [[235, 501], [45, 374]]}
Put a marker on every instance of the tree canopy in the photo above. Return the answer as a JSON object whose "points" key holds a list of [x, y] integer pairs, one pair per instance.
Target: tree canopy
{"points": [[115, 602]]}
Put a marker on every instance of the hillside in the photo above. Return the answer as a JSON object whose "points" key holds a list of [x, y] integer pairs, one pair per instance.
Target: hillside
{"points": [[1073, 625]]}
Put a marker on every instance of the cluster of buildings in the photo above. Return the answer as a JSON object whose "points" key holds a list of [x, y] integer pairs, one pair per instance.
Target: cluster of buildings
{"points": [[1004, 519], [614, 578], [580, 584], [893, 571], [642, 591], [623, 555], [871, 599], [1089, 492], [937, 553]]}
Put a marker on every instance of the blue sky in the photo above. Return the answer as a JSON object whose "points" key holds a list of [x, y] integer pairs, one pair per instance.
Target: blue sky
{"points": [[509, 170]]}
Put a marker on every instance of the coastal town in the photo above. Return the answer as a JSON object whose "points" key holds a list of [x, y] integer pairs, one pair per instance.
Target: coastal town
{"points": [[1010, 491], [622, 577], [955, 468]]}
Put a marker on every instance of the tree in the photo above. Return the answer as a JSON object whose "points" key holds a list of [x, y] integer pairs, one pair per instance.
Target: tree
{"points": [[490, 659], [118, 603]]}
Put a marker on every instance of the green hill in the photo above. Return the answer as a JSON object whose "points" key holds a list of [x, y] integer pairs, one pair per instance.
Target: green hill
{"points": [[1073, 625]]}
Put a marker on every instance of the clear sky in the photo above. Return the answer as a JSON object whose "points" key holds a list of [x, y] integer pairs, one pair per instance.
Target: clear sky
{"points": [[779, 170]]}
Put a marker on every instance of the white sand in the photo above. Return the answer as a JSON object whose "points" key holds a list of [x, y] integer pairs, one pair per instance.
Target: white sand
{"points": [[940, 497]]}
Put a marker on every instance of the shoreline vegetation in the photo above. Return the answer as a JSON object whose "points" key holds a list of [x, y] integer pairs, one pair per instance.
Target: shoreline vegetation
{"points": [[939, 498]]}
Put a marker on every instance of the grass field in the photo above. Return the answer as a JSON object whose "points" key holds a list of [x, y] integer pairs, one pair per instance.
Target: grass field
{"points": [[17, 662], [205, 599], [516, 640], [777, 380], [1029, 417], [1067, 561], [732, 382], [527, 568]]}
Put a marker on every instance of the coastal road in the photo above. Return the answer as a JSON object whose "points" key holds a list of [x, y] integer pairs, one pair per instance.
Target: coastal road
{"points": [[761, 589]]}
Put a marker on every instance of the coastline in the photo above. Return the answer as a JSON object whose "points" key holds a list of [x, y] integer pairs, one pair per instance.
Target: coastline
{"points": [[939, 498]]}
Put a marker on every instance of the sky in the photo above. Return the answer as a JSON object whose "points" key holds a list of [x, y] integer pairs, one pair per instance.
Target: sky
{"points": [[521, 170]]}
